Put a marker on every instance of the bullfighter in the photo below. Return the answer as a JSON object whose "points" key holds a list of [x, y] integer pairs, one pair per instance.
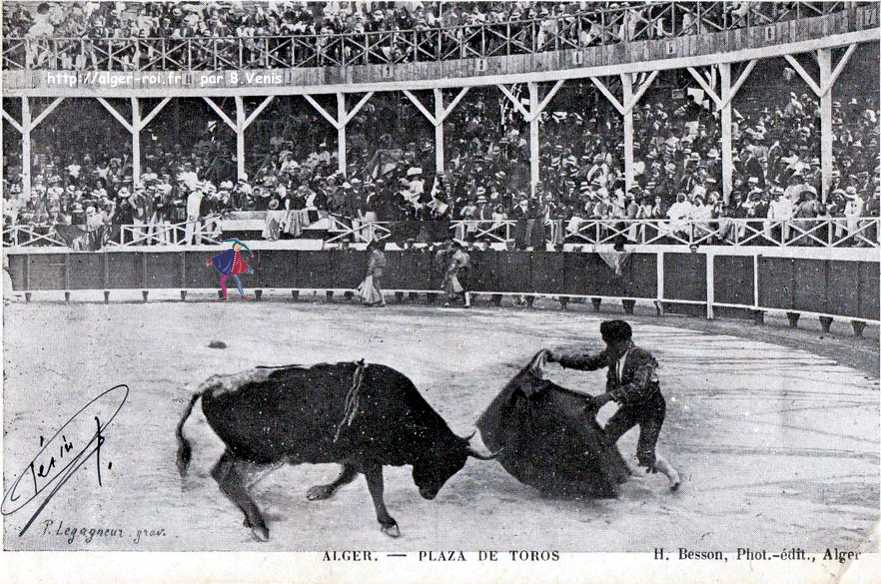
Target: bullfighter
{"points": [[632, 382]]}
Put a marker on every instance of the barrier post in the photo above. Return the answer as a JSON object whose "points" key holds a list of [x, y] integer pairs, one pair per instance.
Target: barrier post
{"points": [[66, 278], [183, 275], [106, 276], [144, 291], [27, 277], [711, 289], [758, 314], [659, 302]]}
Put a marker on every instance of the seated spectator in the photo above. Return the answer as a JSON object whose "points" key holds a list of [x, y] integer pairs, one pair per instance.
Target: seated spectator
{"points": [[678, 213]]}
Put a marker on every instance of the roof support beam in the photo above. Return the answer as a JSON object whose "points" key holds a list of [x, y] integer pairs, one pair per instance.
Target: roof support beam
{"points": [[515, 101], [804, 74], [149, 117], [705, 86], [259, 109], [46, 112], [226, 119], [12, 121], [605, 91]]}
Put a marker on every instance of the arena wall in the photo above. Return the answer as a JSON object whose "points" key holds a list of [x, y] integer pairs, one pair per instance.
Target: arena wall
{"points": [[828, 287]]}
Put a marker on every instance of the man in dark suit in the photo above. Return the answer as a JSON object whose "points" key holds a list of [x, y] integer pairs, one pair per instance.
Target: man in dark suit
{"points": [[632, 382]]}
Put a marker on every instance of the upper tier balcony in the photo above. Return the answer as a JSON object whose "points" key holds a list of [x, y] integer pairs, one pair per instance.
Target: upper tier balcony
{"points": [[599, 42]]}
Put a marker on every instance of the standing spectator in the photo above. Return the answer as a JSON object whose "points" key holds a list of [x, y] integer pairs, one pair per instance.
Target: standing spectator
{"points": [[780, 210], [458, 263], [124, 214], [242, 194], [164, 209], [853, 210], [701, 215], [808, 209], [756, 207], [871, 210], [194, 225], [376, 263], [95, 227], [143, 207]]}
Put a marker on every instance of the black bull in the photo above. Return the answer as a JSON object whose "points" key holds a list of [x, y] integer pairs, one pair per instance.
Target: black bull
{"points": [[361, 416]]}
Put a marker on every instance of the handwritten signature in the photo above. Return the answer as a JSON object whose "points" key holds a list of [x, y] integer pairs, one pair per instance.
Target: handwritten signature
{"points": [[58, 458]]}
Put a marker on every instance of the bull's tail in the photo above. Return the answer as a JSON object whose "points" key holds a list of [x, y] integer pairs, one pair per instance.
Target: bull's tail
{"points": [[184, 451]]}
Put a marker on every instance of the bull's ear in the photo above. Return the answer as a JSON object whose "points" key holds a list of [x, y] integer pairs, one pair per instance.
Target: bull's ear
{"points": [[481, 456], [468, 438]]}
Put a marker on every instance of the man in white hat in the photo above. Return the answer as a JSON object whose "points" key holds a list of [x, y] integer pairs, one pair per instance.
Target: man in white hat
{"points": [[194, 225], [598, 170], [484, 211], [794, 188], [189, 177], [678, 213], [780, 209], [241, 193], [853, 209]]}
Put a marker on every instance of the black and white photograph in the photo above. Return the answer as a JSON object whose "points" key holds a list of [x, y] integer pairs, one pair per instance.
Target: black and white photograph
{"points": [[441, 291]]}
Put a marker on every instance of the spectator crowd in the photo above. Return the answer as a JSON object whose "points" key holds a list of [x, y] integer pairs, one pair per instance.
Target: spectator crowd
{"points": [[98, 35], [390, 172], [486, 181]]}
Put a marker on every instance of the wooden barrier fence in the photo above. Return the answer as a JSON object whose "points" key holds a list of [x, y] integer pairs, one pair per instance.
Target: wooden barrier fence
{"points": [[826, 288]]}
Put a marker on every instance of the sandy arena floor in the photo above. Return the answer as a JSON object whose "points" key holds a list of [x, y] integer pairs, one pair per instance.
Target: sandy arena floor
{"points": [[779, 447]]}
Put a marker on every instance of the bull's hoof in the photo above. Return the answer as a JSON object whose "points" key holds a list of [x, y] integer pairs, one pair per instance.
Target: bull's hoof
{"points": [[260, 534], [391, 530], [319, 492]]}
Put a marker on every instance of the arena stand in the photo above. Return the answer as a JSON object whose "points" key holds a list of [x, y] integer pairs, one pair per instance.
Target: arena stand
{"points": [[729, 130], [250, 35]]}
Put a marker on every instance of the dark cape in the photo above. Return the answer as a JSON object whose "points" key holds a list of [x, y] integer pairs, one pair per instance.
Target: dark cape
{"points": [[550, 438], [225, 263]]}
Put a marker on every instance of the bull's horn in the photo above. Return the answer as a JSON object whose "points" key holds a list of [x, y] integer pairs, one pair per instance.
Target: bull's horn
{"points": [[469, 436], [481, 456]]}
